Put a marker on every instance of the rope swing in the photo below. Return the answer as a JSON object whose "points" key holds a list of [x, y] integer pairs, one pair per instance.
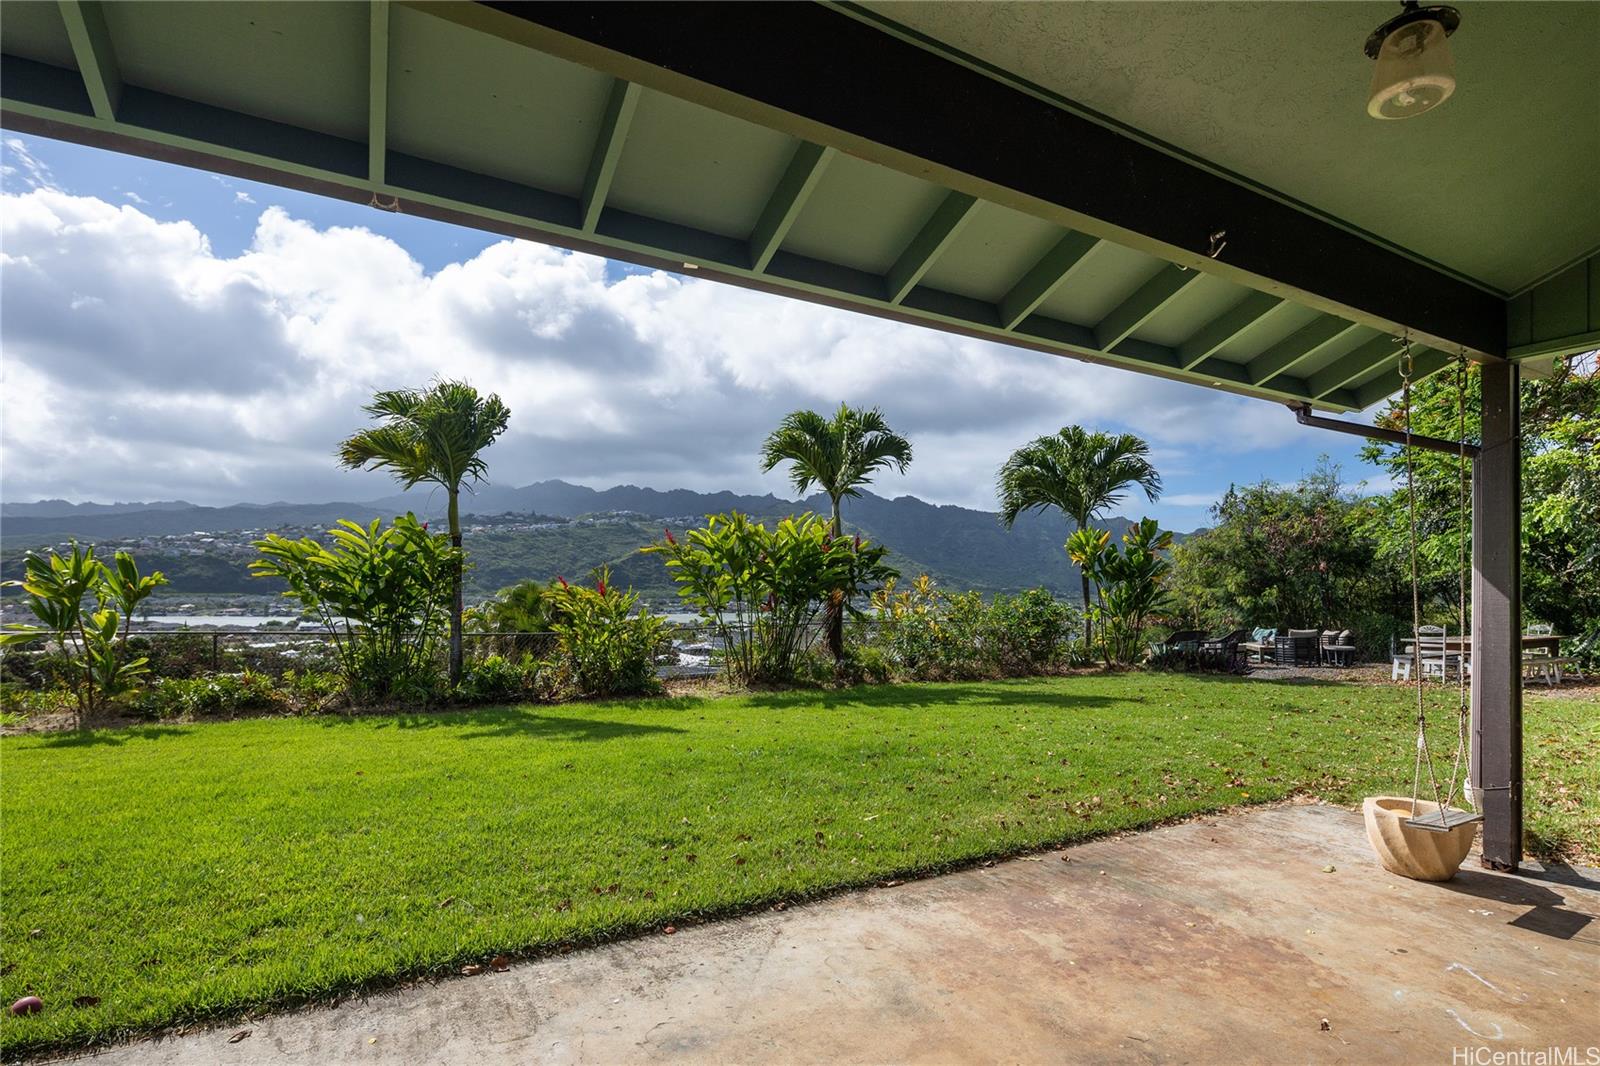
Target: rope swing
{"points": [[1447, 816]]}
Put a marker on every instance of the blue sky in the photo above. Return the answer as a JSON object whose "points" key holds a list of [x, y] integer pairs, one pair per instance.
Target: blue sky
{"points": [[169, 333]]}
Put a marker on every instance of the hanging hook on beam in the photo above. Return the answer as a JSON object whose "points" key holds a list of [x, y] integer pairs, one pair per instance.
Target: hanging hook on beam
{"points": [[1302, 414]]}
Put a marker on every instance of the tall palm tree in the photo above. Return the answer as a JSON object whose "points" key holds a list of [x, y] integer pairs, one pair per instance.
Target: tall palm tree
{"points": [[837, 455], [1081, 474], [432, 435]]}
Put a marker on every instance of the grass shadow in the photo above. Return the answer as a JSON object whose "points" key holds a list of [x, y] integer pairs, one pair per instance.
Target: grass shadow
{"points": [[937, 693], [511, 722], [110, 737]]}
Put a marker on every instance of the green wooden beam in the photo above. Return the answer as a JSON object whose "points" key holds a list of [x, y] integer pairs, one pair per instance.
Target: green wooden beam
{"points": [[784, 205], [1582, 342], [1231, 324], [935, 236], [1136, 310], [97, 59], [620, 106], [1044, 277], [1299, 346], [377, 91], [1353, 365]]}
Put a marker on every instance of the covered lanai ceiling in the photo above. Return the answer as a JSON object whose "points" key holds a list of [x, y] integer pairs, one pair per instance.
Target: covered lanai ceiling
{"points": [[1192, 191]]}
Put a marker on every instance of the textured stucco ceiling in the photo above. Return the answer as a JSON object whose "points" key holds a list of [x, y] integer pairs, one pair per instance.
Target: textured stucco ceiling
{"points": [[1501, 184]]}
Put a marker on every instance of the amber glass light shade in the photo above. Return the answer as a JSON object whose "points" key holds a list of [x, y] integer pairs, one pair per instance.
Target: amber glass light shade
{"points": [[1414, 72]]}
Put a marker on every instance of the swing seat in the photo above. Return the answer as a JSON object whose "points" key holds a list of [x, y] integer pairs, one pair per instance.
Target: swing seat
{"points": [[1408, 841], [1443, 821]]}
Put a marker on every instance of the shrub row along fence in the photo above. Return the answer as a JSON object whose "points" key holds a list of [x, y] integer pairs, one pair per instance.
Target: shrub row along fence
{"points": [[686, 651]]}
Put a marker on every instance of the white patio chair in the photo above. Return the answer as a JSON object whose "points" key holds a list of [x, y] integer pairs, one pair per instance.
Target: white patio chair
{"points": [[1434, 652]]}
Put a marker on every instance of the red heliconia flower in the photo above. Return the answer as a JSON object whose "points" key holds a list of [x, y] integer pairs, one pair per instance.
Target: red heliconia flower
{"points": [[424, 527], [670, 538], [563, 581], [600, 586], [858, 542]]}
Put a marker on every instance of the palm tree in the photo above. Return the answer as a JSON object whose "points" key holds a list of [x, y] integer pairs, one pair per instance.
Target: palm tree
{"points": [[1079, 473], [837, 455], [432, 435]]}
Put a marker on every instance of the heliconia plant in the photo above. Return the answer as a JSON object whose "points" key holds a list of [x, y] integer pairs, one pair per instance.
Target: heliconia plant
{"points": [[59, 591]]}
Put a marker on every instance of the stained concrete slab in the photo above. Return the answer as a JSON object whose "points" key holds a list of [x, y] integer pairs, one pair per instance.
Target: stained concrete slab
{"points": [[1221, 940]]}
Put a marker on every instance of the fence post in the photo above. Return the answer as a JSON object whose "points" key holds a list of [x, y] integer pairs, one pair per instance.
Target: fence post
{"points": [[216, 651]]}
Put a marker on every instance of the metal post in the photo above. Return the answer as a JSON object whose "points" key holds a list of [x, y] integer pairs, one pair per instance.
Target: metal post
{"points": [[1496, 772], [216, 652]]}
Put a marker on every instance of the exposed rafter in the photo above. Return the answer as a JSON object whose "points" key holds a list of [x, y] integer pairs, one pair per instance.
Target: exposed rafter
{"points": [[620, 106], [1228, 326], [1424, 364], [1296, 348], [1353, 365], [1044, 277], [870, 97], [934, 237], [97, 59], [378, 91], [1136, 310], [784, 205]]}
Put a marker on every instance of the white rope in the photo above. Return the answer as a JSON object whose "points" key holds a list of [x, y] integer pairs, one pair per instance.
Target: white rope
{"points": [[1424, 756]]}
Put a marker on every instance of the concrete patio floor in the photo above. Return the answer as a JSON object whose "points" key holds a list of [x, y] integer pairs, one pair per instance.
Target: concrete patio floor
{"points": [[1220, 940]]}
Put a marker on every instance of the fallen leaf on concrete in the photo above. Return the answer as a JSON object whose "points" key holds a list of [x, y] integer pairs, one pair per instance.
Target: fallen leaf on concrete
{"points": [[1328, 869], [500, 963], [471, 969], [1325, 1027], [669, 930], [240, 1035]]}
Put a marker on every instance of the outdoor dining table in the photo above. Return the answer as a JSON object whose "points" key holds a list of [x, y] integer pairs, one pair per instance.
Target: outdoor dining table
{"points": [[1548, 642]]}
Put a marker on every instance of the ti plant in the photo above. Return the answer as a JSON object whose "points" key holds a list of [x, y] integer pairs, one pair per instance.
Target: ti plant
{"points": [[82, 603]]}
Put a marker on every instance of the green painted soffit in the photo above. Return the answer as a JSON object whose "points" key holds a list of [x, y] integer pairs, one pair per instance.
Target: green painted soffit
{"points": [[367, 102]]}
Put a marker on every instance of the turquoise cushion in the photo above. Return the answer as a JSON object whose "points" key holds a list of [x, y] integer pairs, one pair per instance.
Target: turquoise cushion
{"points": [[1263, 634]]}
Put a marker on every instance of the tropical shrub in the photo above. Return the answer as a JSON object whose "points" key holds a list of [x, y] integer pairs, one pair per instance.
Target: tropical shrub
{"points": [[607, 645], [94, 638], [926, 634], [498, 677], [765, 591], [382, 593], [1129, 584], [201, 697]]}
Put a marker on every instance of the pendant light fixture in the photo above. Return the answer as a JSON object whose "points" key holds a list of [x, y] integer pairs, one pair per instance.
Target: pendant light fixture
{"points": [[1414, 72]]}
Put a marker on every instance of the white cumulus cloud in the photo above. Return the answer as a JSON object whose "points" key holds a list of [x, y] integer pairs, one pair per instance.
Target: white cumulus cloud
{"points": [[138, 363]]}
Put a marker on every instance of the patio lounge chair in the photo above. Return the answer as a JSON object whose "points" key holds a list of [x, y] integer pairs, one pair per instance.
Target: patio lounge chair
{"points": [[1335, 648], [1180, 642]]}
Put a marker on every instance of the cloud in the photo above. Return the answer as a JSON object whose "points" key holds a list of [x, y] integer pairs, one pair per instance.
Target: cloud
{"points": [[134, 198], [242, 197], [138, 363], [18, 164]]}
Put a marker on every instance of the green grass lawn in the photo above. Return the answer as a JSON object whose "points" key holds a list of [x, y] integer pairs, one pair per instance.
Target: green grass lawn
{"points": [[167, 874]]}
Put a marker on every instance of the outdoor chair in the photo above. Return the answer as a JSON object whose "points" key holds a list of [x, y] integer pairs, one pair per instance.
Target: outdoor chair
{"points": [[1180, 642], [1335, 648], [1297, 647], [1222, 651], [1434, 652]]}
